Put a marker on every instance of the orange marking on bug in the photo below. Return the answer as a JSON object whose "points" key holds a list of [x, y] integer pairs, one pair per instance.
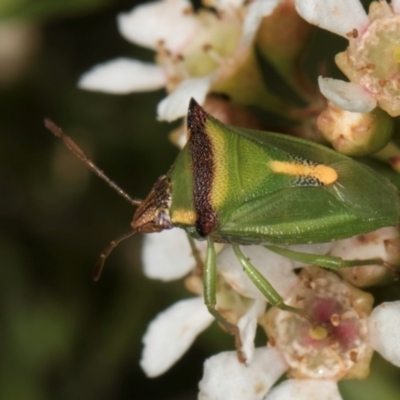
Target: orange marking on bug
{"points": [[326, 175]]}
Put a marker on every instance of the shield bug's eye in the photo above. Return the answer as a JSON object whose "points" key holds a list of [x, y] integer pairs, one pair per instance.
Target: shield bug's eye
{"points": [[153, 213]]}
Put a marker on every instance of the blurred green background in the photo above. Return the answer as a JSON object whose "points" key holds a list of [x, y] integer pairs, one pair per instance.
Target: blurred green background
{"points": [[62, 336]]}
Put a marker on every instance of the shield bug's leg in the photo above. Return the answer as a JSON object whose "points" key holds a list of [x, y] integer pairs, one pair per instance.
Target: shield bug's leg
{"points": [[210, 296], [196, 254], [262, 284], [324, 261]]}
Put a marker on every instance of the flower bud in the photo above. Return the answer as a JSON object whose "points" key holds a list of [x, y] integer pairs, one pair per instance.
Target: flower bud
{"points": [[283, 35], [240, 77], [383, 244], [354, 133], [281, 39]]}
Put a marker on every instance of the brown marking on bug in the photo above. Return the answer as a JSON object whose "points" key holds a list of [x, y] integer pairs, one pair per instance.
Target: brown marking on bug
{"points": [[153, 214], [203, 169]]}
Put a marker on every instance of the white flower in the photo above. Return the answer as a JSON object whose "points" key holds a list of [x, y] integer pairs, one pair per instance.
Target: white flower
{"points": [[337, 16], [370, 61], [226, 378], [177, 326], [123, 75], [167, 256], [347, 95], [171, 333], [344, 347], [384, 326], [195, 52]]}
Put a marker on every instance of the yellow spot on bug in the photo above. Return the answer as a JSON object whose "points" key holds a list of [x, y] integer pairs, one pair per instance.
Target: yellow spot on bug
{"points": [[326, 175], [183, 216]]}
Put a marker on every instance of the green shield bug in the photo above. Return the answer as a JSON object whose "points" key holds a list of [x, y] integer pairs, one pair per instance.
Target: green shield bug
{"points": [[243, 187]]}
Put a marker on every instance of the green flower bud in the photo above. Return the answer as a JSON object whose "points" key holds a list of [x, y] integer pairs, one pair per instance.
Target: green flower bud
{"points": [[281, 39], [353, 133]]}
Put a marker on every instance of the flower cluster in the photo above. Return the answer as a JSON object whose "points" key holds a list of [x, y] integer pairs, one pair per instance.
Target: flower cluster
{"points": [[335, 343], [196, 53], [215, 55], [370, 63]]}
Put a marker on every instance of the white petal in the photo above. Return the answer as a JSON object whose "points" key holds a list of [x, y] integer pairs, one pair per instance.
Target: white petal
{"points": [[176, 104], [171, 333], [337, 16], [372, 245], [278, 270], [247, 325], [305, 389], [256, 11], [123, 76], [384, 331], [396, 6], [167, 20], [347, 95], [226, 378], [167, 255], [224, 4]]}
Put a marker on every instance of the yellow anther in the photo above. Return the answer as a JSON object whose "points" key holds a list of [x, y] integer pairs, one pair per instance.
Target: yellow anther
{"points": [[318, 333]]}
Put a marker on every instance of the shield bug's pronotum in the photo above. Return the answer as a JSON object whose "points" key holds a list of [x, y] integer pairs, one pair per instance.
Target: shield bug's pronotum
{"points": [[244, 187]]}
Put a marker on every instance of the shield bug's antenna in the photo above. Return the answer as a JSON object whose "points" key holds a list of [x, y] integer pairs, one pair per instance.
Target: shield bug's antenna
{"points": [[98, 268], [72, 146]]}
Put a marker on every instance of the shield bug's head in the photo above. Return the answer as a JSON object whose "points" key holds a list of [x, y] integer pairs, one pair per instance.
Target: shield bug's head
{"points": [[153, 214]]}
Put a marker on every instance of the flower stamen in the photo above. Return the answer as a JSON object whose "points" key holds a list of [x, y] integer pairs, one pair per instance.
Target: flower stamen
{"points": [[209, 50], [335, 320], [318, 333]]}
